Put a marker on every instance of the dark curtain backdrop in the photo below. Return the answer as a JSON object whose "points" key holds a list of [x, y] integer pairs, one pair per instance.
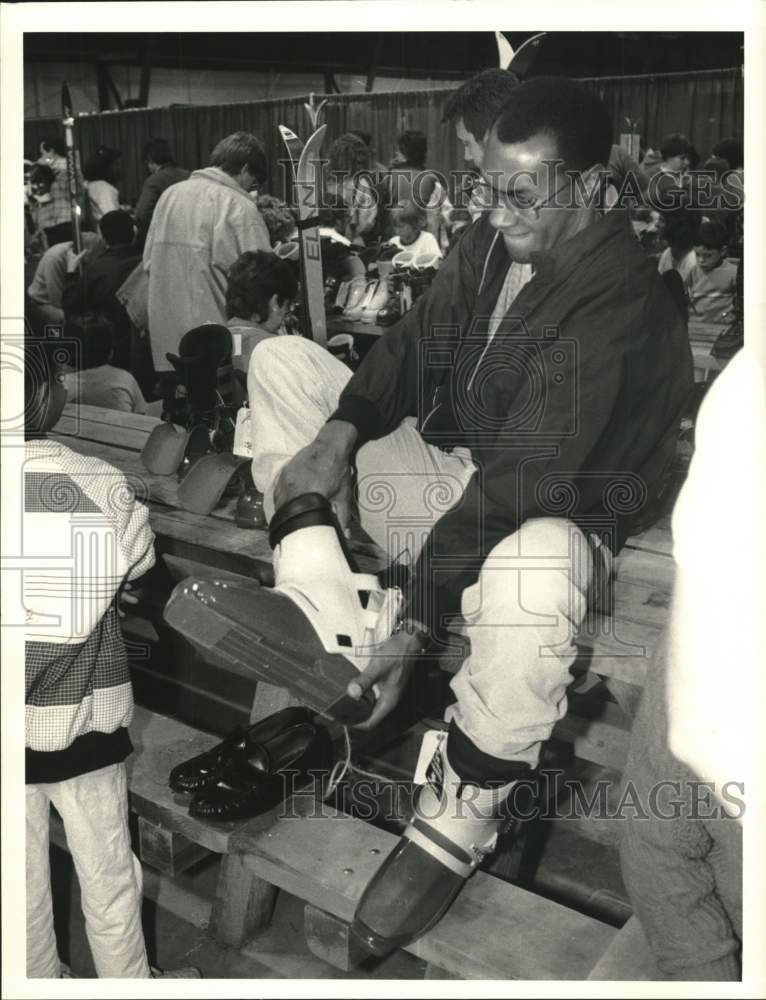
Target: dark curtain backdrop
{"points": [[705, 106]]}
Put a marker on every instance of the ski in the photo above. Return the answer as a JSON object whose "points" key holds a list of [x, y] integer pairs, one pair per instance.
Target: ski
{"points": [[71, 165], [523, 59], [306, 174]]}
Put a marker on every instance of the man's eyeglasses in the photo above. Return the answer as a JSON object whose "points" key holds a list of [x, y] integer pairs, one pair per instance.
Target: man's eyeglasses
{"points": [[521, 202]]}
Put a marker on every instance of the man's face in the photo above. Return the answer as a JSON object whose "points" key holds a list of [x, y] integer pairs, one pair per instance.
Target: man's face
{"points": [[472, 148], [246, 179], [521, 169]]}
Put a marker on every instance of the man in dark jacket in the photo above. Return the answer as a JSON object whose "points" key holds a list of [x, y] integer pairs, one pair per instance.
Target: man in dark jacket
{"points": [[94, 288], [163, 172], [533, 419]]}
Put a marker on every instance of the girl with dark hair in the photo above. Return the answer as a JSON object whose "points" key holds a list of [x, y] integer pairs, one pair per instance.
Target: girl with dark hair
{"points": [[260, 293]]}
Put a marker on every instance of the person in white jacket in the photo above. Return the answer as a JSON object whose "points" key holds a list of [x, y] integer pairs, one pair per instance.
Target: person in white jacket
{"points": [[199, 228]]}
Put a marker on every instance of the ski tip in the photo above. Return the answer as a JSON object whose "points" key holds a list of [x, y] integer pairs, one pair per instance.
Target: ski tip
{"points": [[286, 133], [524, 57]]}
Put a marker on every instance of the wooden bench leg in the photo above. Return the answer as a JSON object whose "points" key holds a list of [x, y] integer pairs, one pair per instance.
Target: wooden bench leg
{"points": [[244, 903], [329, 938]]}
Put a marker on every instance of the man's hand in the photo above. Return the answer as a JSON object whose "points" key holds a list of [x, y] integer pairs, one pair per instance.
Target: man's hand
{"points": [[389, 669], [321, 467]]}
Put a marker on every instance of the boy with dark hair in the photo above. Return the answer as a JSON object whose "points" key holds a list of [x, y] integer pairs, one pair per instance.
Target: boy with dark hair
{"points": [[163, 173], [259, 295], [79, 700], [98, 383], [712, 281], [679, 230], [93, 288]]}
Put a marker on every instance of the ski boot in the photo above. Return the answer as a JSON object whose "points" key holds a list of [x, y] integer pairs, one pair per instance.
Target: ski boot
{"points": [[342, 347], [455, 825], [249, 512], [377, 302], [353, 313], [197, 436], [312, 632], [356, 292]]}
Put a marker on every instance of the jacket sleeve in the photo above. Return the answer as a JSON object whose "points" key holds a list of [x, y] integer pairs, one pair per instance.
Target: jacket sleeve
{"points": [[520, 473], [386, 387], [150, 195], [236, 231]]}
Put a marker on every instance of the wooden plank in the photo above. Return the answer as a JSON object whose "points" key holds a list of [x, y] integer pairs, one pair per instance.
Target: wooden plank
{"points": [[628, 957], [604, 740], [79, 428], [166, 850], [626, 669], [657, 539], [99, 414], [635, 565], [336, 326], [589, 802], [493, 930]]}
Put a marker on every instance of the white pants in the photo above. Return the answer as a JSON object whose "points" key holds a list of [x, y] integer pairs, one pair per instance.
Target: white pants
{"points": [[94, 809], [523, 612]]}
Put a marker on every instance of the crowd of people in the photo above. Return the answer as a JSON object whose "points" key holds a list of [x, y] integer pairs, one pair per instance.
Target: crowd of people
{"points": [[538, 242], [213, 216]]}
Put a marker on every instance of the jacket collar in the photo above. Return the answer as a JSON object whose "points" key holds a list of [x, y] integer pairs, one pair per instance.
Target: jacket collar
{"points": [[557, 263], [218, 176]]}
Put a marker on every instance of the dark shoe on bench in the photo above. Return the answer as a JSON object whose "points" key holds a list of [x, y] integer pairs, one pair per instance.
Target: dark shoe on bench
{"points": [[203, 770], [254, 782]]}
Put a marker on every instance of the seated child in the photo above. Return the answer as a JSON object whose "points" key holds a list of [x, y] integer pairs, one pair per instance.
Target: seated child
{"points": [[409, 223], [679, 231], [260, 293], [81, 515], [98, 383], [711, 284]]}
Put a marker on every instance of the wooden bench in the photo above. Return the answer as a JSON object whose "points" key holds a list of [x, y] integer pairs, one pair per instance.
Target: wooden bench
{"points": [[615, 652]]}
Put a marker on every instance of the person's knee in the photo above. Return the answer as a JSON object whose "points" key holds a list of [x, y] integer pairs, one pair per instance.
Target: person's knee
{"points": [[548, 536], [547, 557]]}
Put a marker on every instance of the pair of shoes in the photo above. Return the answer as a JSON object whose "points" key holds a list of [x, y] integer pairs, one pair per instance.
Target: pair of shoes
{"points": [[189, 972], [253, 769], [256, 781], [455, 825], [204, 769], [357, 306]]}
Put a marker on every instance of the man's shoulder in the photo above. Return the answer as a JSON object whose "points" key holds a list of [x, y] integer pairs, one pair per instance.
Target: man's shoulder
{"points": [[165, 178]]}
